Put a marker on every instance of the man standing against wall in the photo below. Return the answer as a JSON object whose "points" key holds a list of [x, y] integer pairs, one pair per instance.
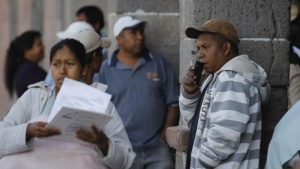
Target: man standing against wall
{"points": [[224, 116], [145, 93]]}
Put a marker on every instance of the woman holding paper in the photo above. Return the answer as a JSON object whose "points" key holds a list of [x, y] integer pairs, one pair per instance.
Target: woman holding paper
{"points": [[22, 128]]}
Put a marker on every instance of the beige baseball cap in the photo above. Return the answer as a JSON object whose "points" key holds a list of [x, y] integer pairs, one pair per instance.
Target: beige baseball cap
{"points": [[90, 39], [222, 27]]}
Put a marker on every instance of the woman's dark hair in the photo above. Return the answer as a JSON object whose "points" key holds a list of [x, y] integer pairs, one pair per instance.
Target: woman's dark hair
{"points": [[74, 46], [16, 54], [93, 15]]}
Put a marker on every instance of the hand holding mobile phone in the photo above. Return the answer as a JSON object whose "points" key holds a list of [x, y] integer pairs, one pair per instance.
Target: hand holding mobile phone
{"points": [[198, 68]]}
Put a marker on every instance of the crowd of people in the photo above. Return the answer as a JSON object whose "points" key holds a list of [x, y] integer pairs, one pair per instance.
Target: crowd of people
{"points": [[222, 111], [122, 143]]}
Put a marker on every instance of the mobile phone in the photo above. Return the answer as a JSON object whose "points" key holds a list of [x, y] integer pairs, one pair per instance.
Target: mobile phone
{"points": [[198, 70]]}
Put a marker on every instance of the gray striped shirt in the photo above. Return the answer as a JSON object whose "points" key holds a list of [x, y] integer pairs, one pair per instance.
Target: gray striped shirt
{"points": [[229, 127]]}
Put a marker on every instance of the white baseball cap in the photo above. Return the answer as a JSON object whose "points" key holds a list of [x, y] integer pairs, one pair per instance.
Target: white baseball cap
{"points": [[90, 39], [74, 28], [126, 22]]}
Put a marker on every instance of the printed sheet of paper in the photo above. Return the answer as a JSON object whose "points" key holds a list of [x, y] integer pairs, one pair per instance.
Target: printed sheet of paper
{"points": [[69, 120], [78, 105]]}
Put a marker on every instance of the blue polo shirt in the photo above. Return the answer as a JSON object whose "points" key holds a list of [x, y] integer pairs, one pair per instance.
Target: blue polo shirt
{"points": [[141, 95]]}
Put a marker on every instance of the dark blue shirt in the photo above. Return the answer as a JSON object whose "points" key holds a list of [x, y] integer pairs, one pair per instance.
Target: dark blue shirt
{"points": [[27, 73], [141, 95]]}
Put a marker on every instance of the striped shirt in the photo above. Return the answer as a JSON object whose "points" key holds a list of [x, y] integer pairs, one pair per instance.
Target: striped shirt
{"points": [[229, 127]]}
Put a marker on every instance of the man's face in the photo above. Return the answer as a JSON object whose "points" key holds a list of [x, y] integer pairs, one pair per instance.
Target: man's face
{"points": [[211, 53], [132, 40]]}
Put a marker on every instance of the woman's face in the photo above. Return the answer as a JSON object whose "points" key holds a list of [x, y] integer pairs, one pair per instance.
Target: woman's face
{"points": [[65, 64], [36, 53]]}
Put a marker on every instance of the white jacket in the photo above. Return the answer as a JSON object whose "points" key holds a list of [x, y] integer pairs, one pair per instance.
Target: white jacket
{"points": [[30, 105]]}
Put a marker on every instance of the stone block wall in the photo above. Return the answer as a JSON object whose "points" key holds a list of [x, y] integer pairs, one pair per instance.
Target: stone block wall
{"points": [[263, 28]]}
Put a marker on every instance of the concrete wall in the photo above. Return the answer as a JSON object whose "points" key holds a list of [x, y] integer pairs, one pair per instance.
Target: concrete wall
{"points": [[263, 27]]}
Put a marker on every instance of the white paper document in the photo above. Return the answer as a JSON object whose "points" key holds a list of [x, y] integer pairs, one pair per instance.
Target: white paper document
{"points": [[78, 105]]}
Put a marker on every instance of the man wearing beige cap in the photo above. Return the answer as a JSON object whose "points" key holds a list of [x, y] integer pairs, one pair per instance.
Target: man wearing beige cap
{"points": [[224, 112], [93, 45]]}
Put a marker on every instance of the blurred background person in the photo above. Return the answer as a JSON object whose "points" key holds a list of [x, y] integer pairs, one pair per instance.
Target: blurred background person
{"points": [[21, 64], [92, 15]]}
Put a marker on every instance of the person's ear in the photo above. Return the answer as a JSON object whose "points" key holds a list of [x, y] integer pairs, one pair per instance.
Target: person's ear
{"points": [[84, 71], [94, 55], [227, 48], [119, 38], [94, 59]]}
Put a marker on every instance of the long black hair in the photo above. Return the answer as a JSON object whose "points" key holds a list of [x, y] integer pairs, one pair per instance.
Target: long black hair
{"points": [[15, 56]]}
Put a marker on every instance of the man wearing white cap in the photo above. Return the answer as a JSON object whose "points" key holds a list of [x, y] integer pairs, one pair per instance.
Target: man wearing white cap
{"points": [[145, 93], [92, 42]]}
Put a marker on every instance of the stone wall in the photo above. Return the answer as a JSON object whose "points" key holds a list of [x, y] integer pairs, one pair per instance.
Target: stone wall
{"points": [[263, 27]]}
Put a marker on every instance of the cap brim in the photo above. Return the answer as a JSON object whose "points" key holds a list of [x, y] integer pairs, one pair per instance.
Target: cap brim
{"points": [[104, 43], [194, 32]]}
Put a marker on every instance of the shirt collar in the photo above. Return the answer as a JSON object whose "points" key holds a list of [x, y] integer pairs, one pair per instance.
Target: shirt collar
{"points": [[146, 55]]}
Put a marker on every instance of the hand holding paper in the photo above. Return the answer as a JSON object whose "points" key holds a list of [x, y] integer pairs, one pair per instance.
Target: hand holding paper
{"points": [[38, 129], [95, 136], [78, 105]]}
